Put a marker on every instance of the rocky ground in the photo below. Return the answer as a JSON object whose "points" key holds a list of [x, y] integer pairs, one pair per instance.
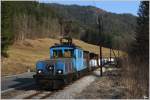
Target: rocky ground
{"points": [[106, 87]]}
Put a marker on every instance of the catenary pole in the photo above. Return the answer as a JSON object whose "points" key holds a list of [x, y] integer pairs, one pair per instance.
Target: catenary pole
{"points": [[100, 18]]}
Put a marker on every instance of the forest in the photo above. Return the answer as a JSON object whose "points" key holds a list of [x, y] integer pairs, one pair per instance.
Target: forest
{"points": [[25, 19]]}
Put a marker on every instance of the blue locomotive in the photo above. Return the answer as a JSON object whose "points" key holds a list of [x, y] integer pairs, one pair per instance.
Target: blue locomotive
{"points": [[67, 63]]}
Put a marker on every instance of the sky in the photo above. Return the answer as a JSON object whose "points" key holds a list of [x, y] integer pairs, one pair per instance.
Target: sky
{"points": [[114, 6]]}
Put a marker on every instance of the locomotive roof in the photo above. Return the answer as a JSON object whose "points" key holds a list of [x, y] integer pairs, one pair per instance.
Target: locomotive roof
{"points": [[66, 45]]}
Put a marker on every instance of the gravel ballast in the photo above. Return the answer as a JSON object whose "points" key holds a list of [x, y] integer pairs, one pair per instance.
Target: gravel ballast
{"points": [[72, 90]]}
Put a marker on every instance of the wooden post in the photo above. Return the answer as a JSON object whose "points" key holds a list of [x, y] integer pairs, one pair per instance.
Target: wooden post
{"points": [[110, 56], [100, 18], [101, 69], [115, 56], [118, 53], [96, 57], [114, 53]]}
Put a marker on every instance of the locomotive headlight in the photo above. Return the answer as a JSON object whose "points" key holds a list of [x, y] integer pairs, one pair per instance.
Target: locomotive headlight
{"points": [[59, 71], [39, 71]]}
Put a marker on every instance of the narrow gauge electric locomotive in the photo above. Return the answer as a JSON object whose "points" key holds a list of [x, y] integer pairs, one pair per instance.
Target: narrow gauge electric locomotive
{"points": [[67, 62]]}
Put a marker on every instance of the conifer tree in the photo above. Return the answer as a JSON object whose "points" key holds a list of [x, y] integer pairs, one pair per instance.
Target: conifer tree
{"points": [[142, 37]]}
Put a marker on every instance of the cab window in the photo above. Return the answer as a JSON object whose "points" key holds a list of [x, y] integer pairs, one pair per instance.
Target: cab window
{"points": [[57, 54], [68, 53]]}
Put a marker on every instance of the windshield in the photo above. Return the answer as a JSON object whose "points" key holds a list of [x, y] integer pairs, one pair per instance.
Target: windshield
{"points": [[57, 53], [68, 53]]}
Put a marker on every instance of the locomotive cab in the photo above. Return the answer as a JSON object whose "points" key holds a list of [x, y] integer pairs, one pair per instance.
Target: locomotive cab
{"points": [[61, 57]]}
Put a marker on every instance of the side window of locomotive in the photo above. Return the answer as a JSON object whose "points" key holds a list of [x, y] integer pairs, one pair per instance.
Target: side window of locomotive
{"points": [[79, 54], [68, 53]]}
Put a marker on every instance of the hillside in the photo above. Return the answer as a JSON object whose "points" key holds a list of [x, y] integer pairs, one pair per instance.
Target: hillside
{"points": [[30, 20], [24, 54]]}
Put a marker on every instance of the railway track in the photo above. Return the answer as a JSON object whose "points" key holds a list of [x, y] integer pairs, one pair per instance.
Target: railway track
{"points": [[31, 92], [35, 92], [39, 95]]}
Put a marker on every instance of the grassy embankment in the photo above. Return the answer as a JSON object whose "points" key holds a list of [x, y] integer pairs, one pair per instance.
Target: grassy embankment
{"points": [[24, 54]]}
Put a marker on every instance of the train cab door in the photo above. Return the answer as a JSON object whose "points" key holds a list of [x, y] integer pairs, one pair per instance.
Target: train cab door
{"points": [[79, 59]]}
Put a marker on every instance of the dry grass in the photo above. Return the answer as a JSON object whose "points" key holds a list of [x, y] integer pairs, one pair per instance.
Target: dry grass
{"points": [[135, 78], [95, 49], [24, 54]]}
